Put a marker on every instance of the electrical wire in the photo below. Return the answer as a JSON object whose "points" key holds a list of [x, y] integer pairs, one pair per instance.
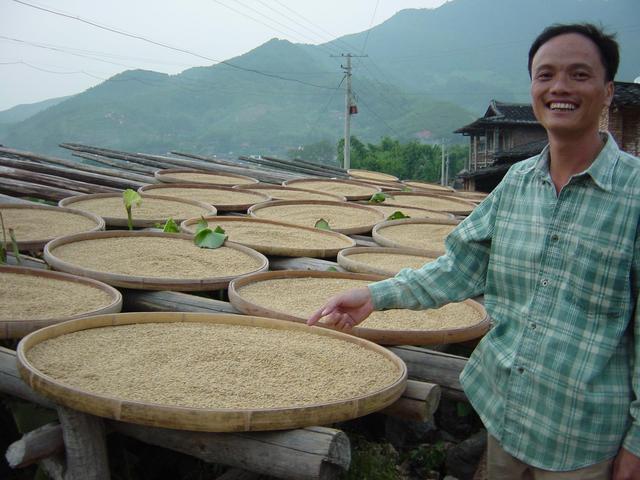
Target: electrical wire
{"points": [[366, 38]]}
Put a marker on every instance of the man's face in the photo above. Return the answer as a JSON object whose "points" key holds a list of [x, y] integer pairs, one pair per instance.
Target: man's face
{"points": [[568, 86]]}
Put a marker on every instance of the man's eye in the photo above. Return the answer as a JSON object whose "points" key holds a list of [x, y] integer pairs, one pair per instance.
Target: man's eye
{"points": [[581, 75], [543, 76]]}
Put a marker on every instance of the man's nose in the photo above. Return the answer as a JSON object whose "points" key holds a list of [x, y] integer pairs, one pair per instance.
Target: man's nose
{"points": [[560, 84]]}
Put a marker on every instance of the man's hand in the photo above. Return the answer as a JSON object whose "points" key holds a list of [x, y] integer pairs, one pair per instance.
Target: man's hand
{"points": [[346, 310], [626, 466]]}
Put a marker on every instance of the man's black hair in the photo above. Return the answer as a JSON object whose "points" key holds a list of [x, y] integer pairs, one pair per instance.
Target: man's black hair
{"points": [[606, 43]]}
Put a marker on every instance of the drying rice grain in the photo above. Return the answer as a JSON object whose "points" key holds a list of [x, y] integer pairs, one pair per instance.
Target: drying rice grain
{"points": [[149, 208], [208, 178], [34, 224], [213, 366], [390, 262], [300, 297], [29, 297], [338, 216], [337, 188], [417, 235], [175, 258]]}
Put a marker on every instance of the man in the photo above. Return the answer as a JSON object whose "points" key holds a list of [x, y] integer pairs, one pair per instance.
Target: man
{"points": [[555, 249]]}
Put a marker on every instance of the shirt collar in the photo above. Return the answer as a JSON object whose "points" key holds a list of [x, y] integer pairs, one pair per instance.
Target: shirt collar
{"points": [[600, 171]]}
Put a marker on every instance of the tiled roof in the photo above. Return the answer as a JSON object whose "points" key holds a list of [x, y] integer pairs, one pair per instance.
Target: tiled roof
{"points": [[502, 113], [627, 94]]}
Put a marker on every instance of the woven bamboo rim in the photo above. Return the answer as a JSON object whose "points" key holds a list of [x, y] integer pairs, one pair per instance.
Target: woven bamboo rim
{"points": [[20, 328], [382, 337], [281, 250], [204, 419], [380, 239], [300, 183], [156, 189], [137, 222], [38, 245], [465, 208], [346, 261], [384, 186], [165, 176], [371, 175], [346, 231], [141, 282], [266, 186]]}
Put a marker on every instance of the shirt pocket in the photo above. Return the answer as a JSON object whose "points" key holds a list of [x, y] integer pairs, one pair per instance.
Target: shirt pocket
{"points": [[599, 281]]}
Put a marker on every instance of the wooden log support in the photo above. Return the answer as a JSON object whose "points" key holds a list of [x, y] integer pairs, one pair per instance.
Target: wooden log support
{"points": [[434, 367], [302, 263], [85, 445], [27, 189], [53, 181], [106, 152], [304, 453], [238, 474], [418, 402], [319, 169], [35, 446], [166, 301], [70, 173], [364, 241]]}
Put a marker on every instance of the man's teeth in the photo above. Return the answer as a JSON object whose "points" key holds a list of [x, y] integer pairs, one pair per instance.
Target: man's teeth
{"points": [[562, 106]]}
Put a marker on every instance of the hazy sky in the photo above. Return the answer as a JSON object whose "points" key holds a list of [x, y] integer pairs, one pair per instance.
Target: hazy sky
{"points": [[82, 55]]}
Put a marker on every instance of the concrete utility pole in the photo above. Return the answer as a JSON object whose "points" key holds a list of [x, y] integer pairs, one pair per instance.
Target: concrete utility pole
{"points": [[347, 109], [442, 162]]}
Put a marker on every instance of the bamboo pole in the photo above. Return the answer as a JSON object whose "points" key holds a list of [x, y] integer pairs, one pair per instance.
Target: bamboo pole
{"points": [[28, 189], [46, 179], [115, 163], [69, 173]]}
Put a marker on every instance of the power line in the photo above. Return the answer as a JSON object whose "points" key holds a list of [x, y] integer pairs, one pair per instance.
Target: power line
{"points": [[366, 39], [177, 49]]}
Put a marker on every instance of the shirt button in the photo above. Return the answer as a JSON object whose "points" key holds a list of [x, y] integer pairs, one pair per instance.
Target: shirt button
{"points": [[554, 237], [520, 370], [533, 326], [545, 282]]}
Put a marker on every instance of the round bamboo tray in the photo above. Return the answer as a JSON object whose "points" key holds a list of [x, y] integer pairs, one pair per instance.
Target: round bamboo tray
{"points": [[348, 259], [19, 327], [121, 220], [210, 419], [278, 192], [379, 237], [440, 203], [205, 177], [147, 282], [220, 197], [336, 187], [278, 244], [427, 186], [371, 175], [311, 211], [37, 244], [412, 212], [381, 336]]}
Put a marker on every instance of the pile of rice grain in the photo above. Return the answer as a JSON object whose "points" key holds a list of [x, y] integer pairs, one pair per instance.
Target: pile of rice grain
{"points": [[30, 297], [426, 236], [213, 366], [149, 208], [212, 178], [337, 188], [339, 217], [40, 224], [210, 195], [157, 257], [300, 297]]}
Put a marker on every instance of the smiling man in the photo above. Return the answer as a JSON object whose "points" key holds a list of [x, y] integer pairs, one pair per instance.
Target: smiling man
{"points": [[555, 249]]}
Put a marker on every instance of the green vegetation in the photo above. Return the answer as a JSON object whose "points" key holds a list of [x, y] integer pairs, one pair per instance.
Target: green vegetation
{"points": [[130, 198], [207, 238], [322, 224], [411, 160], [170, 226], [397, 216]]}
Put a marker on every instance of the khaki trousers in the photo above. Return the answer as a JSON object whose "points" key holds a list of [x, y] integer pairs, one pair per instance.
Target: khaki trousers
{"points": [[502, 466]]}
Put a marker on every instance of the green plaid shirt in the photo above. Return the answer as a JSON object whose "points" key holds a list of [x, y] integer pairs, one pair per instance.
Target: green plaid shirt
{"points": [[554, 379]]}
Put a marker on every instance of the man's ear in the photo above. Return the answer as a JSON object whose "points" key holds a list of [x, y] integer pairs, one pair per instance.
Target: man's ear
{"points": [[609, 94]]}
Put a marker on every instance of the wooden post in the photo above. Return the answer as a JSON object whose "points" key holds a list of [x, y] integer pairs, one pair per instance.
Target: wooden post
{"points": [[85, 445], [36, 445]]}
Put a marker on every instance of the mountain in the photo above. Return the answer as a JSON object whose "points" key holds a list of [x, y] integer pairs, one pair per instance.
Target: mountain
{"points": [[427, 73], [22, 112]]}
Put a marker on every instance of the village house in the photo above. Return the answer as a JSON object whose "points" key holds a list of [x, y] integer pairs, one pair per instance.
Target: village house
{"points": [[509, 132]]}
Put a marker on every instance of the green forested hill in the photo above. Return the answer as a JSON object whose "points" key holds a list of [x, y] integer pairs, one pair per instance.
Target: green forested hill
{"points": [[427, 73]]}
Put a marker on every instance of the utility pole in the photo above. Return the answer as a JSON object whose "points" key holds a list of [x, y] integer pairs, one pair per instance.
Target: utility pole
{"points": [[348, 102], [442, 162]]}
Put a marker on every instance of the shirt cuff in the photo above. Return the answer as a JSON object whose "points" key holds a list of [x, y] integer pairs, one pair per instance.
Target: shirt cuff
{"points": [[383, 293], [632, 440]]}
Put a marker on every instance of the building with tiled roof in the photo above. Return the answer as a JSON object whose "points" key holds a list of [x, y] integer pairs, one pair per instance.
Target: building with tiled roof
{"points": [[509, 132]]}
